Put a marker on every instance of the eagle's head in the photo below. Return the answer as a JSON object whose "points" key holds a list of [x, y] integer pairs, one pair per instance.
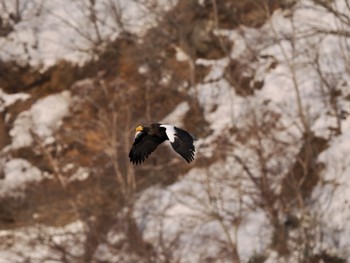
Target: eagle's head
{"points": [[139, 128]]}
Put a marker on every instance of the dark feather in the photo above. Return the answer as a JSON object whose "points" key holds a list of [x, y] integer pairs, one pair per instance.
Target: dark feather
{"points": [[143, 146]]}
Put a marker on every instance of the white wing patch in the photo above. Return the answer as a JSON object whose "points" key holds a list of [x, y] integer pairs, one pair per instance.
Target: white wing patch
{"points": [[170, 132]]}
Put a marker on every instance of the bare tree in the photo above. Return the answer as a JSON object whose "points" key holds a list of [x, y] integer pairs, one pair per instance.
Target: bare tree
{"points": [[15, 12]]}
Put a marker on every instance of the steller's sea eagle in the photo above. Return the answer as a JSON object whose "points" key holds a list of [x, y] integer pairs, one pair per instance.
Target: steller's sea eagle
{"points": [[148, 138]]}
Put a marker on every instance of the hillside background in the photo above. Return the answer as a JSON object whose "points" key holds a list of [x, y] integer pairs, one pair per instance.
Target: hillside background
{"points": [[263, 84]]}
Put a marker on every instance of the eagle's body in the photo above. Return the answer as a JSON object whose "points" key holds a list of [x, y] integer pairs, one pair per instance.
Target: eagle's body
{"points": [[148, 138]]}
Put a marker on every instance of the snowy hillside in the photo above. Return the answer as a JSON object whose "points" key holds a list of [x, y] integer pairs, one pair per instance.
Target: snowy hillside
{"points": [[47, 31], [220, 188], [270, 181]]}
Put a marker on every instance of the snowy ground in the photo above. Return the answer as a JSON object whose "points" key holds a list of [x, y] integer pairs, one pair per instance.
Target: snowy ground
{"points": [[213, 205], [62, 29], [42, 120], [184, 210], [71, 236]]}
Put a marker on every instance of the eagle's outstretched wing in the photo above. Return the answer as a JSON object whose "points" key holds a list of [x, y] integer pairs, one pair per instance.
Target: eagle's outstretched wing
{"points": [[144, 144], [182, 143]]}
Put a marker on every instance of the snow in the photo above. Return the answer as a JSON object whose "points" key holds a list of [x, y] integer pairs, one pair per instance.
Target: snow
{"points": [[332, 195], [38, 37], [43, 118], [20, 132], [181, 210], [186, 211], [7, 100], [181, 55], [209, 209], [81, 174], [46, 249], [254, 230], [218, 99], [18, 173], [47, 113]]}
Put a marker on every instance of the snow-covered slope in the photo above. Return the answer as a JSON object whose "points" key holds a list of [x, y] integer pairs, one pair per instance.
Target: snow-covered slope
{"points": [[233, 209], [62, 29], [216, 204]]}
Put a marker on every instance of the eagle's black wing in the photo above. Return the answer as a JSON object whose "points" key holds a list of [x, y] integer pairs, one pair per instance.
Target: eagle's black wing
{"points": [[183, 144], [143, 146]]}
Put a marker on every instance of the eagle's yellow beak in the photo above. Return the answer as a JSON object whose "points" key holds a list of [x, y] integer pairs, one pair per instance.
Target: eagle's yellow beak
{"points": [[139, 128]]}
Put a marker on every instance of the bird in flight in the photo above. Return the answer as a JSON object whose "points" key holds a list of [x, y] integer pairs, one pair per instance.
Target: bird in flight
{"points": [[148, 138]]}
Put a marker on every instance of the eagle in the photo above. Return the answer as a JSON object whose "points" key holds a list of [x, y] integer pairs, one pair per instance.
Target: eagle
{"points": [[148, 138]]}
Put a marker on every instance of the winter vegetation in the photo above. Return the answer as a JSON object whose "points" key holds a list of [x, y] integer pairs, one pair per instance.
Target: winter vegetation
{"points": [[264, 85]]}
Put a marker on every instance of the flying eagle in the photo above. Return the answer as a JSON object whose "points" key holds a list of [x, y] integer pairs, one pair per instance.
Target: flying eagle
{"points": [[148, 138]]}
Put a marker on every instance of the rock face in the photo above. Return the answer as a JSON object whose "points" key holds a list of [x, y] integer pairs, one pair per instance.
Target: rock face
{"points": [[77, 140], [271, 155], [4, 133]]}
